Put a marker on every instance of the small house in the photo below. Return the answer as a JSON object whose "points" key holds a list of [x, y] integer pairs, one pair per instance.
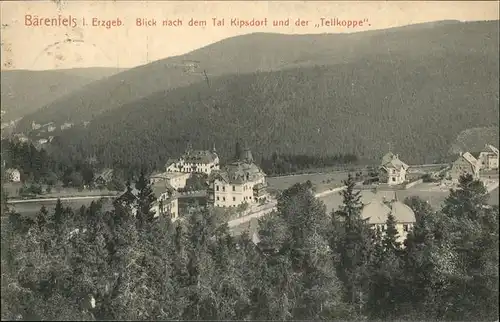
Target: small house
{"points": [[466, 163], [488, 159], [392, 170], [104, 177], [13, 175], [166, 201]]}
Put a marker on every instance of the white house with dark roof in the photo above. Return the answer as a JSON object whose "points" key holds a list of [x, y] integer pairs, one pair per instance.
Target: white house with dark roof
{"points": [[194, 161], [376, 213], [392, 170], [166, 202], [488, 159], [466, 163], [239, 182]]}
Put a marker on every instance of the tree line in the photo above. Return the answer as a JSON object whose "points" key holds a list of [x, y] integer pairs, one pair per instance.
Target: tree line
{"points": [[109, 265], [41, 167], [281, 164]]}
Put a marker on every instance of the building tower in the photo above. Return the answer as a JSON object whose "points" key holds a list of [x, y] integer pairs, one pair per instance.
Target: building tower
{"points": [[246, 155]]}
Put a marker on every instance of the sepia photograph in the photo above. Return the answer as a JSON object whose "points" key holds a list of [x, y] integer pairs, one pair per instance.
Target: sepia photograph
{"points": [[250, 160]]}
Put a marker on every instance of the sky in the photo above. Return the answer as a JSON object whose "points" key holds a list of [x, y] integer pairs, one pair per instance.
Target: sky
{"points": [[26, 45]]}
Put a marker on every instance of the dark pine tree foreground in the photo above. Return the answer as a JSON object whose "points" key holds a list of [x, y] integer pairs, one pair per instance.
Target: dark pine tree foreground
{"points": [[97, 264]]}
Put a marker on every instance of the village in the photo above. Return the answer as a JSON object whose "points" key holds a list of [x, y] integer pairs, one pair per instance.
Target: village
{"points": [[243, 192]]}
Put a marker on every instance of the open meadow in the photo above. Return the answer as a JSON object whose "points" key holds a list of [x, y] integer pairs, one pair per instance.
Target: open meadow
{"points": [[13, 190], [321, 181], [430, 192], [32, 208]]}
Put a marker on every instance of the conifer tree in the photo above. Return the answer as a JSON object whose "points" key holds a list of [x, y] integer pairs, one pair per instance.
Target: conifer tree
{"points": [[385, 273], [145, 201], [390, 238], [58, 218], [42, 216], [354, 247]]}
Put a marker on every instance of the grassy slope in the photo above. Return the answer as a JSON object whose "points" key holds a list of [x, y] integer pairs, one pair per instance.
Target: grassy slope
{"points": [[25, 91]]}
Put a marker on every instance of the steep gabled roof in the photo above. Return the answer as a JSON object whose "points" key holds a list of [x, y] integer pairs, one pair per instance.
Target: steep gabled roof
{"points": [[127, 197], [387, 158], [470, 159], [161, 188], [392, 161], [492, 148], [218, 175], [402, 213], [238, 172], [170, 162], [377, 212], [199, 156], [106, 174]]}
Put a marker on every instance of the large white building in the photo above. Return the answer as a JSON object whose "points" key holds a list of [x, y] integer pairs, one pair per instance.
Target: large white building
{"points": [[195, 161], [239, 182], [392, 170], [177, 180]]}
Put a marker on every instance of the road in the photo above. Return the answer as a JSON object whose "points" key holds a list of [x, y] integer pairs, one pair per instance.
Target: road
{"points": [[266, 209], [262, 211], [55, 199], [491, 185]]}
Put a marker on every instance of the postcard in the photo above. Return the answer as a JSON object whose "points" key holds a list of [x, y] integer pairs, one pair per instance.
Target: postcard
{"points": [[249, 160]]}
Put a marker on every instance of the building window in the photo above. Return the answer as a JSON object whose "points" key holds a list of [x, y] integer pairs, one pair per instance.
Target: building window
{"points": [[234, 198], [223, 198], [217, 188], [234, 188], [217, 198], [393, 179], [406, 228], [223, 188]]}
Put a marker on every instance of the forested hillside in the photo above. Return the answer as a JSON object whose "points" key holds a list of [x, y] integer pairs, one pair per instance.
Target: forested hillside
{"points": [[418, 106], [475, 139], [238, 55]]}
